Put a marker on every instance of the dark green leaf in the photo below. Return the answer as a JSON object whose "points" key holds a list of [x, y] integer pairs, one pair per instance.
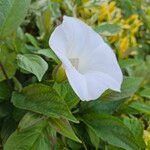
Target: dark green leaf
{"points": [[4, 90], [63, 127], [42, 99], [100, 107], [94, 138], [8, 127], [5, 109], [111, 129]]}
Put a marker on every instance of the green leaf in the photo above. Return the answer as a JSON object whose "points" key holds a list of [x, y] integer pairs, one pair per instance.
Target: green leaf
{"points": [[32, 40], [145, 93], [29, 119], [129, 86], [8, 62], [110, 100], [66, 92], [34, 64], [48, 53], [55, 10], [42, 99], [17, 84], [63, 127], [94, 138], [4, 91], [31, 138], [124, 63], [5, 109], [136, 127], [108, 29], [111, 129], [8, 127], [99, 106], [141, 107], [12, 13], [127, 7]]}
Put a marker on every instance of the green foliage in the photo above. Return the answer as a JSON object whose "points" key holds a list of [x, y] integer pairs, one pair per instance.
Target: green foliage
{"points": [[107, 29], [63, 127], [145, 93], [111, 129], [33, 63], [36, 138], [39, 113], [8, 67], [42, 99], [136, 127], [49, 54], [12, 13]]}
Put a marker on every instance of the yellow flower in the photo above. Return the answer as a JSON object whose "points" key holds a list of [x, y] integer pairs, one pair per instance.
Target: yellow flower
{"points": [[107, 11], [133, 23], [147, 139], [123, 46], [133, 40], [112, 39], [112, 6]]}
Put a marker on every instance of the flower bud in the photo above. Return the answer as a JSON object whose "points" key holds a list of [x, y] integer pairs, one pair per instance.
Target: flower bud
{"points": [[59, 74]]}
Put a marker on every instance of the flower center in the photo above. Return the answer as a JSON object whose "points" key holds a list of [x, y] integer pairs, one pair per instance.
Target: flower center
{"points": [[75, 62]]}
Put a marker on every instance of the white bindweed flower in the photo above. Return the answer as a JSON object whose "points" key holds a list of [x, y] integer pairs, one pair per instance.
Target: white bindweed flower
{"points": [[90, 64]]}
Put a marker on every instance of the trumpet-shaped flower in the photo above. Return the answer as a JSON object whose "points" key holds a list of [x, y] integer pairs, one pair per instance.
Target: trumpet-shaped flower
{"points": [[90, 64]]}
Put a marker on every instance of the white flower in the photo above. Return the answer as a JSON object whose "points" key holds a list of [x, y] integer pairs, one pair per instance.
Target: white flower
{"points": [[90, 64]]}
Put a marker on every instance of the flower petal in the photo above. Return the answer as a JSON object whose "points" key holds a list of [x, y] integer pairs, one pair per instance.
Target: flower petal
{"points": [[91, 85], [98, 68], [72, 36], [103, 60]]}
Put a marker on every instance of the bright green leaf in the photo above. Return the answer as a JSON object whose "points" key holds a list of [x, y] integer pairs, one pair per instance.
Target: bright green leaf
{"points": [[145, 93], [32, 138], [8, 63], [12, 13], [108, 29], [141, 107], [49, 54], [66, 92], [34, 64], [32, 40], [129, 86], [137, 129]]}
